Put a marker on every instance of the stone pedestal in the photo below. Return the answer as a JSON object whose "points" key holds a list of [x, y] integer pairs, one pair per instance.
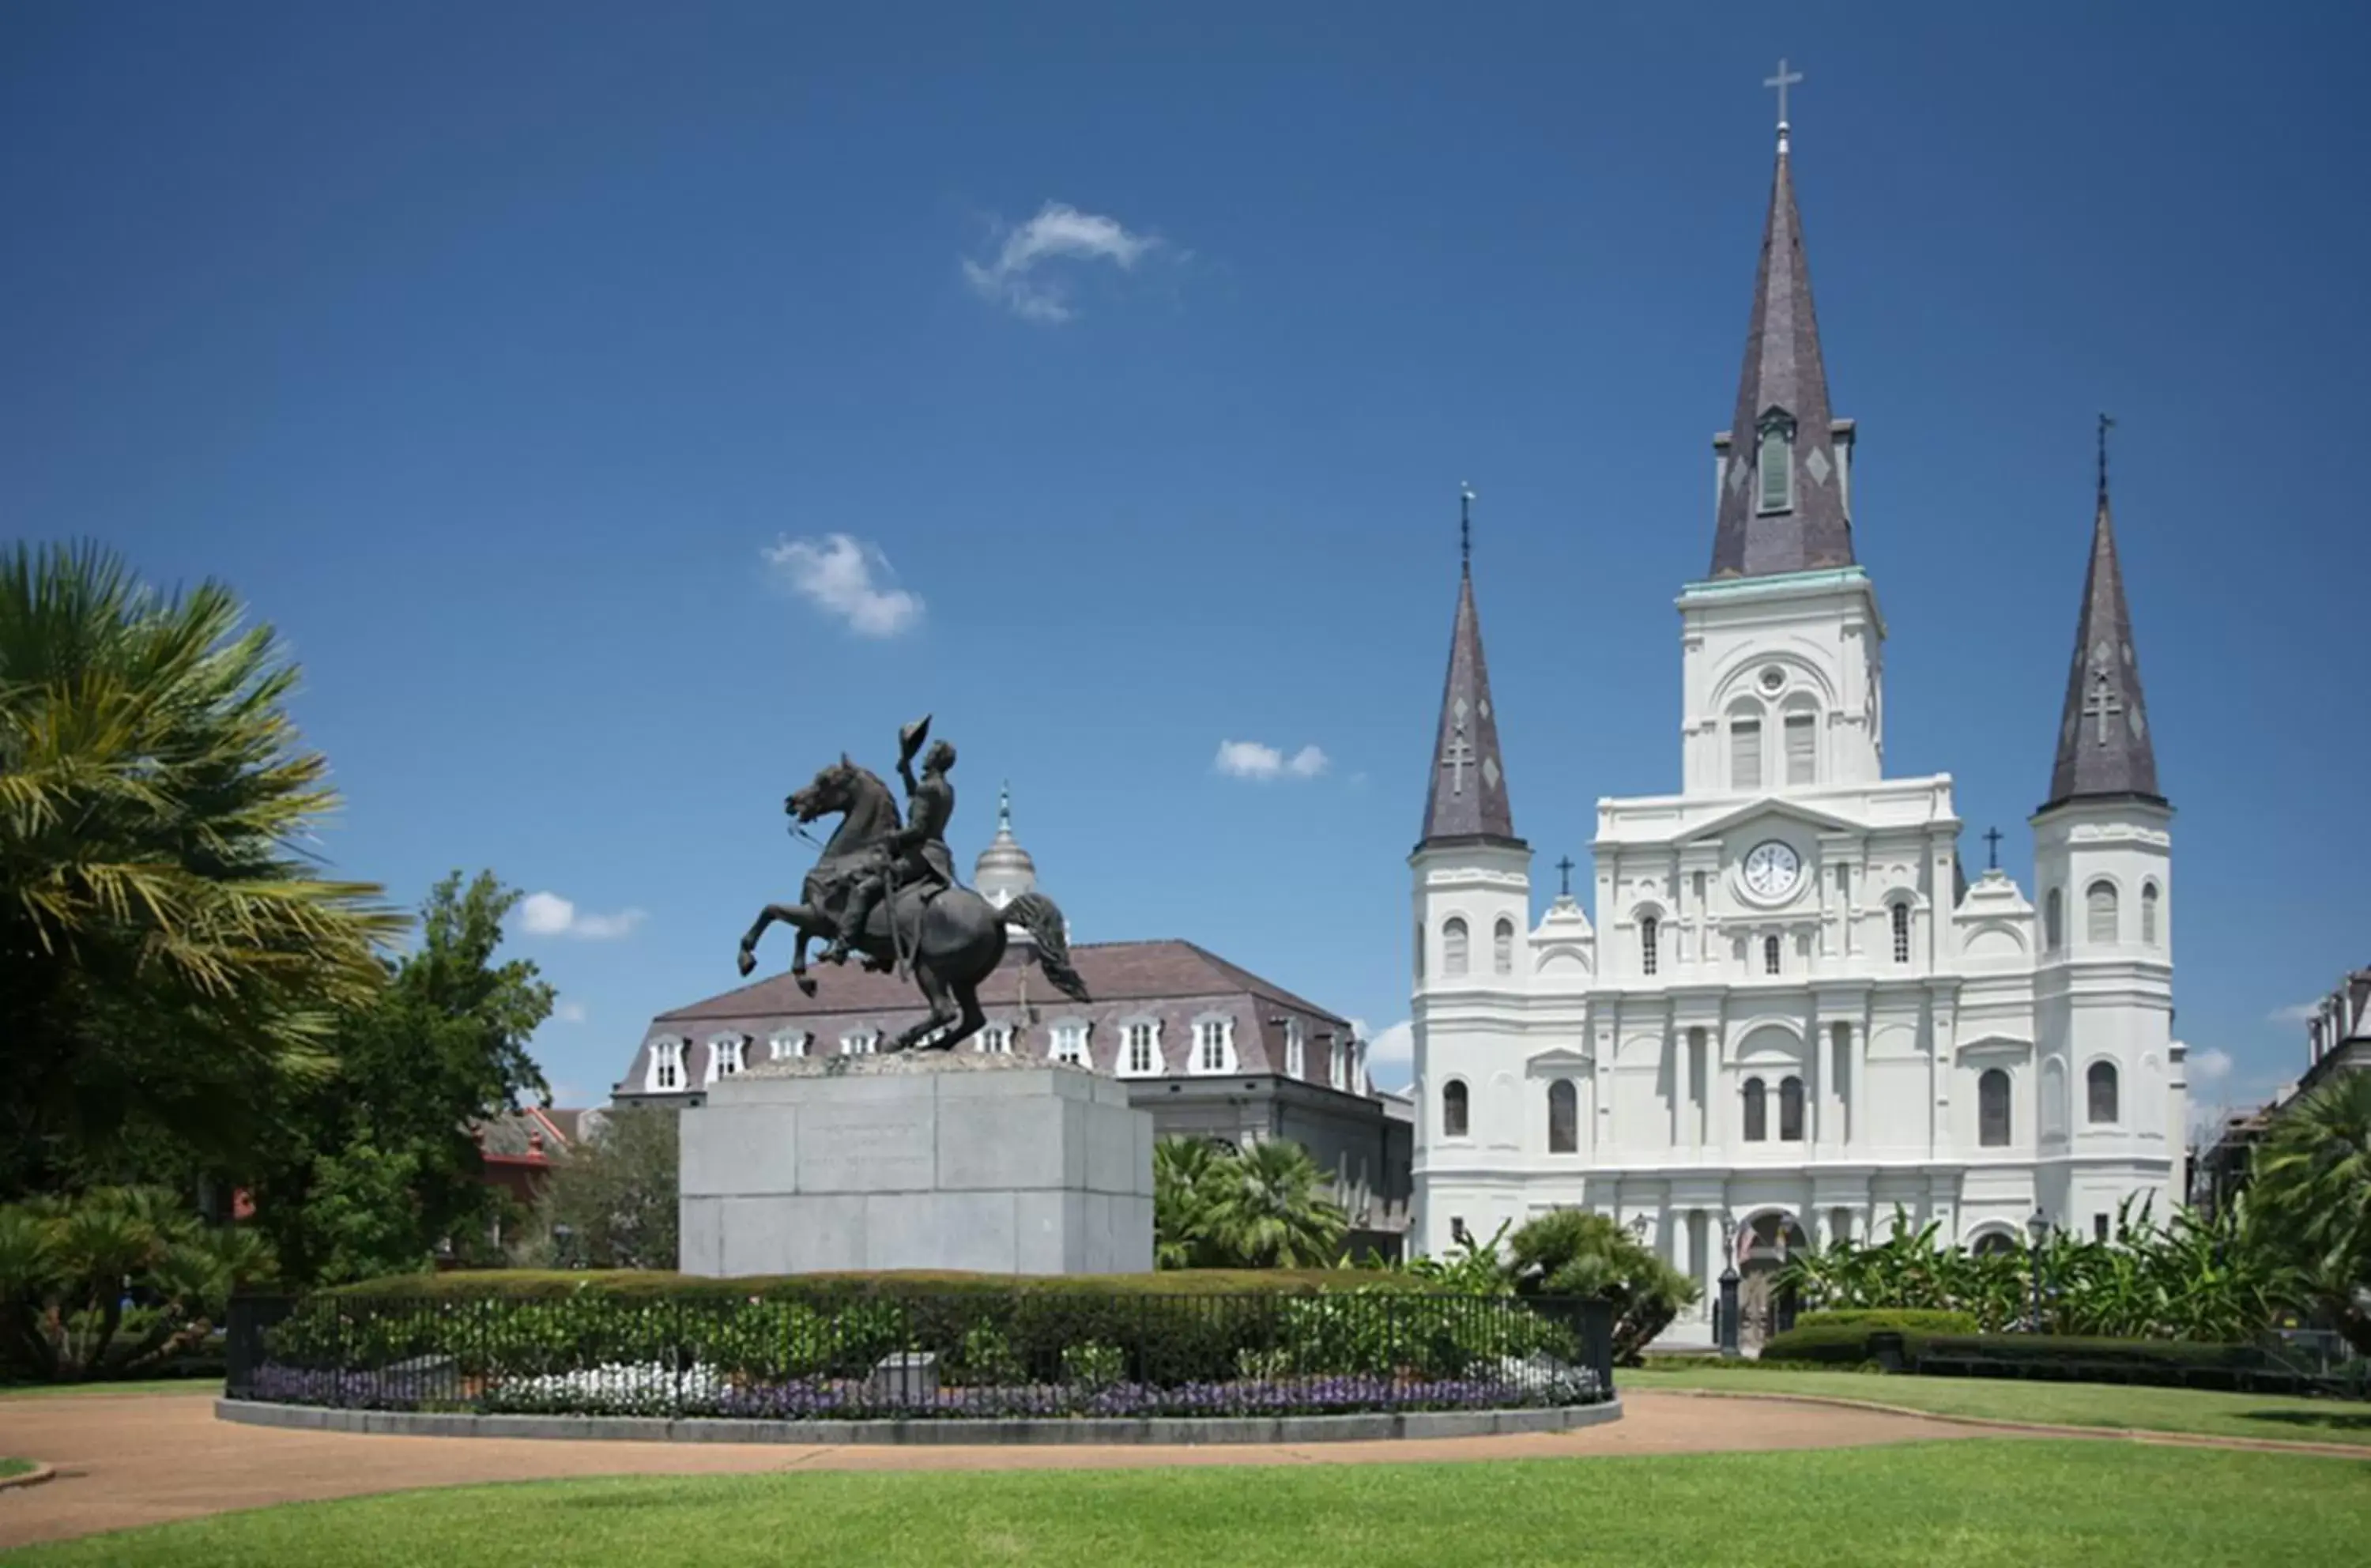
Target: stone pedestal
{"points": [[987, 1163]]}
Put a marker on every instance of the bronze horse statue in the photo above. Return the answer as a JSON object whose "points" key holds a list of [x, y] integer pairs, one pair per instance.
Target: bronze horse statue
{"points": [[954, 940]]}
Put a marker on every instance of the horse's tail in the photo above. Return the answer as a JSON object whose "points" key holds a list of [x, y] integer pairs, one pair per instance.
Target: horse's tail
{"points": [[1037, 915]]}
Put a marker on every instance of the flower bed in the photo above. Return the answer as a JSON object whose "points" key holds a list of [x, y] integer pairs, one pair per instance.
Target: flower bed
{"points": [[970, 1354]]}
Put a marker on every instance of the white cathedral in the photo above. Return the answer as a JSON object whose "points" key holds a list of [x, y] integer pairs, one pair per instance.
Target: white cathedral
{"points": [[1793, 1014]]}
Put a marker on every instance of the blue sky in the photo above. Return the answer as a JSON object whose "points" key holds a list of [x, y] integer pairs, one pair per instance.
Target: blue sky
{"points": [[515, 362]]}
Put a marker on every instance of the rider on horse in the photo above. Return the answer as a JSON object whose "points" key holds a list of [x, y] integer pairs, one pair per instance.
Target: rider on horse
{"points": [[916, 855]]}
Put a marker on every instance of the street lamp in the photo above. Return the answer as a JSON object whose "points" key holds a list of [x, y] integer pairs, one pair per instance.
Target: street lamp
{"points": [[562, 1236], [1728, 1327], [2037, 1230]]}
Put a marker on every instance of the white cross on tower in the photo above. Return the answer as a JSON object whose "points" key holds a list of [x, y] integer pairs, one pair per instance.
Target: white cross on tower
{"points": [[1782, 81], [2103, 703], [1455, 756]]}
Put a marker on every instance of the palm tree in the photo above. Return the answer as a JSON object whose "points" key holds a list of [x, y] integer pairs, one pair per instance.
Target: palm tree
{"points": [[1268, 1208], [168, 951], [1182, 1192], [2311, 1200]]}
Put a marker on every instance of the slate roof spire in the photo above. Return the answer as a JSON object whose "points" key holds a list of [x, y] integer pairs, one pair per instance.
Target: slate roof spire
{"points": [[1783, 504], [1466, 802], [2104, 749]]}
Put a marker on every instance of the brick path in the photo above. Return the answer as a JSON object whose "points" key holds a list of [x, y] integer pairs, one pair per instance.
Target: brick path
{"points": [[125, 1460]]}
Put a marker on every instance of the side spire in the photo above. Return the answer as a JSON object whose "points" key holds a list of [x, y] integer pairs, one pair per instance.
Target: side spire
{"points": [[1467, 801], [2104, 749], [1784, 504]]}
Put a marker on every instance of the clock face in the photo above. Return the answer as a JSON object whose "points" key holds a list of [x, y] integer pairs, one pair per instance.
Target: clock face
{"points": [[1771, 870]]}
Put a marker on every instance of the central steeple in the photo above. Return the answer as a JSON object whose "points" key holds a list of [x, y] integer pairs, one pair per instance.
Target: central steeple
{"points": [[1785, 502]]}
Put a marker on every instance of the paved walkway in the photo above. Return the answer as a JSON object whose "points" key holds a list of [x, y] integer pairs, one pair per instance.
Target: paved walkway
{"points": [[125, 1460]]}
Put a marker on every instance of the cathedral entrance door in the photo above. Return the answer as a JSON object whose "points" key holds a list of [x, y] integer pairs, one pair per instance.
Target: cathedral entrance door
{"points": [[1764, 1307]]}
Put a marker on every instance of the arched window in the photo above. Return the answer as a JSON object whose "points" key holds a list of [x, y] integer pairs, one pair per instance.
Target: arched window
{"points": [[2148, 913], [2101, 1083], [1770, 955], [1902, 933], [1745, 753], [1992, 1243], [1790, 1109], [1452, 1109], [1802, 732], [2053, 922], [2099, 912], [1757, 1112], [1773, 468], [1564, 1117], [1453, 946], [1502, 946], [1992, 1108], [1648, 929]]}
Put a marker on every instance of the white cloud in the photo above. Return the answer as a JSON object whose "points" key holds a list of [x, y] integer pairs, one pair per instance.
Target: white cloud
{"points": [[2295, 1012], [549, 915], [1250, 759], [569, 1010], [1391, 1055], [848, 578], [2210, 1065], [1060, 232]]}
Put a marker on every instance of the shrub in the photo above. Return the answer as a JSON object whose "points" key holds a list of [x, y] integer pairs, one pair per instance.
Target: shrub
{"points": [[2075, 1358], [1835, 1345], [1916, 1319], [1093, 1366]]}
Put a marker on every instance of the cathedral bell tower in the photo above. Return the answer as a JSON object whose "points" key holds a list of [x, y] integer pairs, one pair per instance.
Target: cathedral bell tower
{"points": [[1473, 897], [2111, 1085]]}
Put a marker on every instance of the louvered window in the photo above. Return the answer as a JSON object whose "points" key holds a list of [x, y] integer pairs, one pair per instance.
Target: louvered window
{"points": [[1802, 748]]}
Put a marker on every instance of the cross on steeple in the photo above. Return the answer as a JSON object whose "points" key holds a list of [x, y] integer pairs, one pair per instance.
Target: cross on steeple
{"points": [[2107, 423], [1564, 872], [1455, 757], [2101, 704], [1782, 81], [1992, 842], [1464, 525]]}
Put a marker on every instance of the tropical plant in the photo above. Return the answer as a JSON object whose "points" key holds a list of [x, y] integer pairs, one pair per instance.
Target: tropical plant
{"points": [[1182, 1191], [1268, 1208], [112, 1283], [2310, 1203], [1260, 1207], [170, 958], [1574, 1252], [1472, 1269]]}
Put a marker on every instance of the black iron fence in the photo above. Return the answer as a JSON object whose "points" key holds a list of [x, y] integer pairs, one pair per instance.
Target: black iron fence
{"points": [[1049, 1352]]}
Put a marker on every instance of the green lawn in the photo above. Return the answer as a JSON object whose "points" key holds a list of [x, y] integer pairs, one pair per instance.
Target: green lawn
{"points": [[2070, 1404], [132, 1386], [2014, 1502], [13, 1467]]}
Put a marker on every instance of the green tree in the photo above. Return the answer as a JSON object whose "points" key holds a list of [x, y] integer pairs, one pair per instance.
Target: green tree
{"points": [[376, 1165], [1268, 1208], [1574, 1252], [2309, 1203], [172, 960], [609, 1202]]}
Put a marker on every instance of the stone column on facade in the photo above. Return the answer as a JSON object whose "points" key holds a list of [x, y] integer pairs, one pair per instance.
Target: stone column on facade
{"points": [[1815, 1079]]}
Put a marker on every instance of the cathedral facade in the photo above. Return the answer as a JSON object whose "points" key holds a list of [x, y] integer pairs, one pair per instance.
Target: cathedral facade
{"points": [[1793, 1014]]}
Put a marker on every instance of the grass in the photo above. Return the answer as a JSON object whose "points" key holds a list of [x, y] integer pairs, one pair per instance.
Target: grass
{"points": [[130, 1385], [2009, 1501], [15, 1467], [2066, 1404]]}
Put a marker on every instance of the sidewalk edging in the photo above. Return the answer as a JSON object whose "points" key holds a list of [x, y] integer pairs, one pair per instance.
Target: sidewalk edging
{"points": [[1372, 1426], [2044, 1428], [33, 1477]]}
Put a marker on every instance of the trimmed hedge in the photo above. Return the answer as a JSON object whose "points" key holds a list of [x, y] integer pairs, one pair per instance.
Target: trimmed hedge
{"points": [[644, 1284], [1837, 1344], [1906, 1320], [2067, 1356]]}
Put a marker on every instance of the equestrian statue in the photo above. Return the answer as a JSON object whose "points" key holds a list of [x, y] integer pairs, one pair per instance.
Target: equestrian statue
{"points": [[885, 891]]}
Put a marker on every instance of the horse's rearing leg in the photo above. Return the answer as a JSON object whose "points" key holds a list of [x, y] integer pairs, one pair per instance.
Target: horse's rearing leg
{"points": [[942, 1011]]}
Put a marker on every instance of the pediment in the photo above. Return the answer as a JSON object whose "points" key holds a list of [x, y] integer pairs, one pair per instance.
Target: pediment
{"points": [[1770, 806], [1558, 1063]]}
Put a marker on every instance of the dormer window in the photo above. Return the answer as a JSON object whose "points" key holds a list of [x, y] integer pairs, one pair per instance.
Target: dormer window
{"points": [[1774, 462]]}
